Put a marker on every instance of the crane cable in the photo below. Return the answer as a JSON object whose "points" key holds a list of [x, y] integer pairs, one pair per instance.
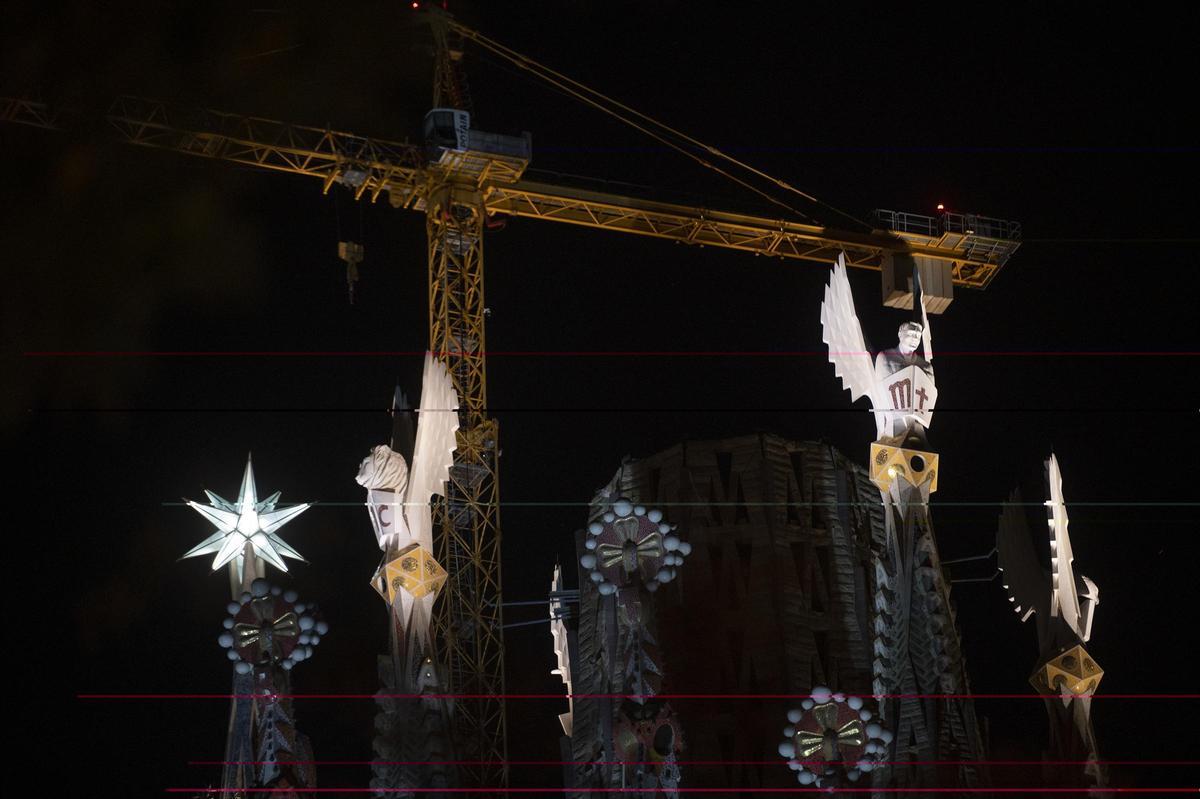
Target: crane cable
{"points": [[557, 79], [528, 65], [531, 66]]}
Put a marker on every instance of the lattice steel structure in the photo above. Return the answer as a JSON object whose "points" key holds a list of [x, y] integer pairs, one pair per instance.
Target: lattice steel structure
{"points": [[372, 167], [467, 622]]}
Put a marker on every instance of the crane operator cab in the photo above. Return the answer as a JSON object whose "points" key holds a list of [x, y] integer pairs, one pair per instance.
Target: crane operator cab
{"points": [[451, 143], [447, 128]]}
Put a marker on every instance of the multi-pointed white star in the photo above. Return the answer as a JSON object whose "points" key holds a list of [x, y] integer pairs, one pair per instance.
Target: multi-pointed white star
{"points": [[246, 521]]}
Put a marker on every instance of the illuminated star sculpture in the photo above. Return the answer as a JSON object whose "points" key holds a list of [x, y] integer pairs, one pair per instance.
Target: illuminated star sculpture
{"points": [[246, 527]]}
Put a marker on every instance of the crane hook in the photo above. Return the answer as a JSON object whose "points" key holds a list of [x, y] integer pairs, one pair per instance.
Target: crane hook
{"points": [[352, 253]]}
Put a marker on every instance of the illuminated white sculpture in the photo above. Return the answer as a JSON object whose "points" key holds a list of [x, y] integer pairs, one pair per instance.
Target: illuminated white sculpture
{"points": [[562, 654], [413, 743], [914, 643], [398, 497], [246, 528], [1070, 600], [1074, 602], [899, 383], [1066, 676], [409, 578]]}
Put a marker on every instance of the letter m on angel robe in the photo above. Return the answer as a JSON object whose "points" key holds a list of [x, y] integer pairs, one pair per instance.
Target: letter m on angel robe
{"points": [[908, 392]]}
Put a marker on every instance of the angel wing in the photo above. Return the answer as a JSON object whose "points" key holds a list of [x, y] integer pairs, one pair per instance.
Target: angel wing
{"points": [[1027, 583], [841, 331], [1062, 574], [433, 449]]}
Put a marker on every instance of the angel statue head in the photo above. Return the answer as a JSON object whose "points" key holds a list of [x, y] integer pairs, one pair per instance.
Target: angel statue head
{"points": [[910, 337]]}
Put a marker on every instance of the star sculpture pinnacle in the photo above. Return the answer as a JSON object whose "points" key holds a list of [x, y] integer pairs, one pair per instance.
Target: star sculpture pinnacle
{"points": [[248, 520]]}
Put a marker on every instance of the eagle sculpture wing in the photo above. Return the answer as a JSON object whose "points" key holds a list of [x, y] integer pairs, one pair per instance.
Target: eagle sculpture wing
{"points": [[433, 448], [1027, 583], [843, 334], [1066, 591]]}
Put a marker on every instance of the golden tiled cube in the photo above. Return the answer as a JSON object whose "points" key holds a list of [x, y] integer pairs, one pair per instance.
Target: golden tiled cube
{"points": [[1072, 671], [412, 569], [892, 463]]}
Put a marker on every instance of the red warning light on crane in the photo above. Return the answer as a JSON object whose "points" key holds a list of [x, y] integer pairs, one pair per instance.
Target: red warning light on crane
{"points": [[940, 206]]}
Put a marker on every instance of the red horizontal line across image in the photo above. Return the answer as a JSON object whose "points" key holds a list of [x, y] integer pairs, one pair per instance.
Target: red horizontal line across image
{"points": [[585, 353], [607, 409], [773, 762], [623, 696], [684, 791]]}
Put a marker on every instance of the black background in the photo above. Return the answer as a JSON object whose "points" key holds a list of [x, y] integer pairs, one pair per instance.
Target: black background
{"points": [[1070, 119]]}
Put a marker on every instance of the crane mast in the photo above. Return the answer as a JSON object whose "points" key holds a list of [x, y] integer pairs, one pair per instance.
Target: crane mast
{"points": [[467, 623], [449, 79]]}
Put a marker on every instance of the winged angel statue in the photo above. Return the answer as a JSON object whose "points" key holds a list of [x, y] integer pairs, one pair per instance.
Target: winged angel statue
{"points": [[899, 383], [915, 647], [398, 497]]}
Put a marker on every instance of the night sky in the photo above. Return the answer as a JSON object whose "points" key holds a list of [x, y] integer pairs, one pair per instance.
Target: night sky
{"points": [[1069, 120]]}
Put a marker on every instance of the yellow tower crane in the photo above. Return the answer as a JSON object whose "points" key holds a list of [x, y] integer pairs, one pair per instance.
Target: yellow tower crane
{"points": [[460, 177]]}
